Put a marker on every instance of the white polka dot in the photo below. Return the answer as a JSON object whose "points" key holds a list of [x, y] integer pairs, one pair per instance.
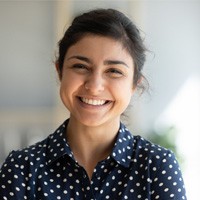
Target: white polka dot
{"points": [[171, 195], [166, 189]]}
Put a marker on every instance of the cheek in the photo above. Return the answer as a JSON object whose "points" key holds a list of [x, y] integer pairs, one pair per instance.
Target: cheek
{"points": [[125, 86], [123, 91], [70, 84], [66, 94], [65, 86], [128, 90]]}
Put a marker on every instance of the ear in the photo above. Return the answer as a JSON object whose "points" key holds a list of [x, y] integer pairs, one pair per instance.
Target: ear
{"points": [[140, 80], [58, 70], [135, 86], [133, 90]]}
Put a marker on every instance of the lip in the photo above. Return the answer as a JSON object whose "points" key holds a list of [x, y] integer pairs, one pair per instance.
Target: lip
{"points": [[94, 102]]}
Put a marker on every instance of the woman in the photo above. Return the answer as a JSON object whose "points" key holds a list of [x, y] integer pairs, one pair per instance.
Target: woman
{"points": [[92, 155]]}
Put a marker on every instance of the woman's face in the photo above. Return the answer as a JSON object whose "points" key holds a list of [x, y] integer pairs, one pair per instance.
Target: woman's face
{"points": [[97, 80]]}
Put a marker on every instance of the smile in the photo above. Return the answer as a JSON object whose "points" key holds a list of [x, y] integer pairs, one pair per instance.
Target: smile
{"points": [[93, 102]]}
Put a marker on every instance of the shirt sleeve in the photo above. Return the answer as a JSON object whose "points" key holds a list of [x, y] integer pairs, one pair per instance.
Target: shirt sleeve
{"points": [[12, 180], [167, 182]]}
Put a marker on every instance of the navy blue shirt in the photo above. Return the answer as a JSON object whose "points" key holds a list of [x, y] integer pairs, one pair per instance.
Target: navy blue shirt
{"points": [[135, 169]]}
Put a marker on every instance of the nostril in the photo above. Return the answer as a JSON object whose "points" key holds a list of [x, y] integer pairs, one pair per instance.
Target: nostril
{"points": [[94, 85]]}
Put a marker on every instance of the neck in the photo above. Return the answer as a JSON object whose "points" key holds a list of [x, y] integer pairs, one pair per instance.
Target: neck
{"points": [[91, 144]]}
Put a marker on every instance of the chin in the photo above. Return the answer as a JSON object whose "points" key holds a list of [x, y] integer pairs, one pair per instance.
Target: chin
{"points": [[92, 123], [97, 121]]}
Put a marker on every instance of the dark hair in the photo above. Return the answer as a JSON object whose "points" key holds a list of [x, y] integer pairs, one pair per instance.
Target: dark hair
{"points": [[110, 23]]}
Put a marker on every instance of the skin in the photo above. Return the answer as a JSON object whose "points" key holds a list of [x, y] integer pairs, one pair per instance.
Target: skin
{"points": [[96, 87]]}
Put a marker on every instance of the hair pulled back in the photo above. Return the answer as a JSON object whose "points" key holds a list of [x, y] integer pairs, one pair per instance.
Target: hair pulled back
{"points": [[109, 23]]}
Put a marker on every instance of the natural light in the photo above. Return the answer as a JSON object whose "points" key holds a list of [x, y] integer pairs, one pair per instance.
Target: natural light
{"points": [[184, 113]]}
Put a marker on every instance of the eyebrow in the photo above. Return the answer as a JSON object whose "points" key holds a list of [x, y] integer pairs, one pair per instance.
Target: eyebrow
{"points": [[106, 62], [115, 62], [80, 58]]}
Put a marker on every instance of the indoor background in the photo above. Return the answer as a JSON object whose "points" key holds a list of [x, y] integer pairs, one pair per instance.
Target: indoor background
{"points": [[168, 114]]}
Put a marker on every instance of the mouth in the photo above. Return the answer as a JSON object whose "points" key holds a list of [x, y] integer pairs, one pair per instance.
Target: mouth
{"points": [[94, 102]]}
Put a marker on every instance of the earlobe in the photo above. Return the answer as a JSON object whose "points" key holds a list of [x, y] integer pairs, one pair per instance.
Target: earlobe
{"points": [[133, 90], [140, 80], [136, 86]]}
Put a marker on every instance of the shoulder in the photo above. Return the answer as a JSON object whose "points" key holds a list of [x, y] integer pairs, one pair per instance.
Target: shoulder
{"points": [[151, 150], [26, 157], [160, 162], [38, 154], [163, 168], [153, 153], [144, 151], [140, 145], [22, 168], [19, 169]]}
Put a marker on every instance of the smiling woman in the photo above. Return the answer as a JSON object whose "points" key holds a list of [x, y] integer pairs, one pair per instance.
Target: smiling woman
{"points": [[100, 73], [92, 155]]}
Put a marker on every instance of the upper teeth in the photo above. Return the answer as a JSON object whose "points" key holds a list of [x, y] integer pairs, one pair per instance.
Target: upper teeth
{"points": [[93, 101]]}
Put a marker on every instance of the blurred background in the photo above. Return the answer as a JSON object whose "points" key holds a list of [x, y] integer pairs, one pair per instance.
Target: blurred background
{"points": [[30, 108]]}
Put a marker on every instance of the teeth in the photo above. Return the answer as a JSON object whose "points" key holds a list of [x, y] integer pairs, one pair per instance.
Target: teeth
{"points": [[93, 101]]}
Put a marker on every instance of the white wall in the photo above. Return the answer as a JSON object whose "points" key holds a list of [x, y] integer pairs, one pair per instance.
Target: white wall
{"points": [[173, 33], [26, 54], [27, 75]]}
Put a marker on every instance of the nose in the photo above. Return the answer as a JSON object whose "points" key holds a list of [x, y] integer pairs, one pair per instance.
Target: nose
{"points": [[94, 83]]}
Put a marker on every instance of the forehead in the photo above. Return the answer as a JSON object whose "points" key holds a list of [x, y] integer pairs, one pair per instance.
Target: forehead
{"points": [[99, 46]]}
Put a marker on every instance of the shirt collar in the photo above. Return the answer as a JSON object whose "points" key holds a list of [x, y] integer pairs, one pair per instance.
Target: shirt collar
{"points": [[57, 145], [122, 151]]}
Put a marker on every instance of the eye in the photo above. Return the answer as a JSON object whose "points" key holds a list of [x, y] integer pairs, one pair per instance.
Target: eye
{"points": [[79, 66], [115, 72]]}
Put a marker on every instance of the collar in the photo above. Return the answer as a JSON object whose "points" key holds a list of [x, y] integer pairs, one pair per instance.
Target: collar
{"points": [[122, 152], [123, 149], [57, 144]]}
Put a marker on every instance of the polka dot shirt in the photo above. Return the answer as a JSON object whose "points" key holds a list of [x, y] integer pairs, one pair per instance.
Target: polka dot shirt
{"points": [[135, 169]]}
